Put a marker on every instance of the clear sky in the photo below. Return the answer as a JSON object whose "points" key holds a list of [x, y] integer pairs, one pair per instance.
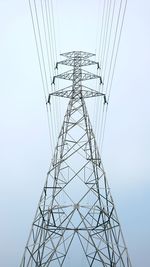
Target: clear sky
{"points": [[24, 143]]}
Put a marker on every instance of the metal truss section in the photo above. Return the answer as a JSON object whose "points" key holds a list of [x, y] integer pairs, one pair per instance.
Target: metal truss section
{"points": [[83, 76], [67, 93], [77, 55], [84, 62], [76, 204]]}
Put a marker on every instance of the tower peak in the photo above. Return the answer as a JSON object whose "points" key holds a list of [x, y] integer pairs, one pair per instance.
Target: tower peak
{"points": [[77, 54]]}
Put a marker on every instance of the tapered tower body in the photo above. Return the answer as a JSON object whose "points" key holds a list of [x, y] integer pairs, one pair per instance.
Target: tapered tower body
{"points": [[76, 216]]}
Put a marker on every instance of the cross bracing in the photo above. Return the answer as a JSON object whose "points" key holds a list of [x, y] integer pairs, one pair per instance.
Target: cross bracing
{"points": [[76, 202]]}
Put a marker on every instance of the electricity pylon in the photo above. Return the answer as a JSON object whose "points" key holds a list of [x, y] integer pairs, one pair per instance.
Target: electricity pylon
{"points": [[76, 203]]}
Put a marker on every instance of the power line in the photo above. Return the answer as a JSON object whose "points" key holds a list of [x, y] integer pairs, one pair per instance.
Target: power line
{"points": [[109, 60], [42, 58], [119, 39], [40, 41]]}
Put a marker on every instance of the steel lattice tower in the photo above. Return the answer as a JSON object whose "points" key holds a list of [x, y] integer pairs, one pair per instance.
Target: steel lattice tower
{"points": [[76, 203]]}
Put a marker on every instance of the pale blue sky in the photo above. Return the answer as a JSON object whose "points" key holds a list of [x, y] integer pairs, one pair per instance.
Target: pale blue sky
{"points": [[24, 153]]}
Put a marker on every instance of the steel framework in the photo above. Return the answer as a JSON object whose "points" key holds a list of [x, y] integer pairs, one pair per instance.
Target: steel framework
{"points": [[76, 202]]}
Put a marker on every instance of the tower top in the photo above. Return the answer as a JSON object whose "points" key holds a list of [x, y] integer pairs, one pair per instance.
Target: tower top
{"points": [[77, 59], [77, 54]]}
